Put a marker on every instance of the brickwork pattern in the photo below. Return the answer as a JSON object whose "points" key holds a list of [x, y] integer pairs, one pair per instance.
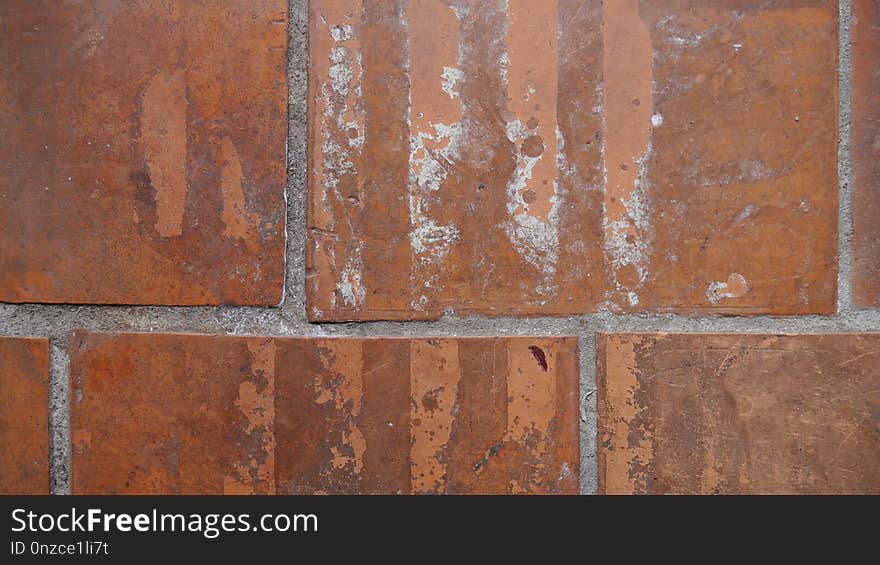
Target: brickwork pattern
{"points": [[474, 192]]}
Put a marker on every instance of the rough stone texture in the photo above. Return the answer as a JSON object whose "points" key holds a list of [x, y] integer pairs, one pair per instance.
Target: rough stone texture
{"points": [[715, 413], [24, 415], [866, 152], [561, 157], [180, 413], [143, 152]]}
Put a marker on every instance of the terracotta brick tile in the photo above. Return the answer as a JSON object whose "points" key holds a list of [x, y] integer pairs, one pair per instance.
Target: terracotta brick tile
{"points": [[529, 158], [143, 152], [866, 152], [24, 415], [690, 413], [154, 413]]}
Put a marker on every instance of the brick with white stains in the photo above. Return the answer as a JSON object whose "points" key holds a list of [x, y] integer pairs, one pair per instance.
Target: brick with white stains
{"points": [[173, 413], [551, 158]]}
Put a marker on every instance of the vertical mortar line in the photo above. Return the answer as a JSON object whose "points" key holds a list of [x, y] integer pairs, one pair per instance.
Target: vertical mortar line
{"points": [[844, 168], [293, 305], [589, 428], [59, 414]]}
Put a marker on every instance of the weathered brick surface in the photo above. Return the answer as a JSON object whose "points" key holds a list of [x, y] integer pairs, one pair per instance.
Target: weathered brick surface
{"points": [[143, 150], [711, 413], [525, 158], [24, 416], [154, 413], [866, 151]]}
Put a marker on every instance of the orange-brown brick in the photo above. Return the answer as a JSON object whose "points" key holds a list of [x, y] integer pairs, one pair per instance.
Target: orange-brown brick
{"points": [[24, 415], [689, 413], [154, 413], [866, 152], [561, 157], [143, 150]]}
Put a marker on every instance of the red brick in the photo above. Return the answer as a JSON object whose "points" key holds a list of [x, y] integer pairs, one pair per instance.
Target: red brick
{"points": [[739, 414], [866, 152], [563, 157], [154, 413], [143, 152], [24, 415]]}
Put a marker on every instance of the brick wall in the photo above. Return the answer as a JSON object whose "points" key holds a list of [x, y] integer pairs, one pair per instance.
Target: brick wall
{"points": [[494, 223]]}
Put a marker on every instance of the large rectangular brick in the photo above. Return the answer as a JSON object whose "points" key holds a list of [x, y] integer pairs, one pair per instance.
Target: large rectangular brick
{"points": [[154, 413], [24, 415], [561, 157], [712, 413], [143, 151], [866, 152]]}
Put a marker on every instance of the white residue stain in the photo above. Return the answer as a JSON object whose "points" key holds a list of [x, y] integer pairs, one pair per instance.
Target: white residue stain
{"points": [[432, 239], [735, 287], [749, 171], [427, 171], [340, 70], [349, 286], [343, 119], [428, 167], [624, 249], [536, 239], [679, 31], [433, 150], [343, 113], [341, 33], [449, 81]]}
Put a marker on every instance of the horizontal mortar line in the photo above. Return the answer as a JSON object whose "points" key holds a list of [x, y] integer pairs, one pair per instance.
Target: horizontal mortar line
{"points": [[45, 320]]}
